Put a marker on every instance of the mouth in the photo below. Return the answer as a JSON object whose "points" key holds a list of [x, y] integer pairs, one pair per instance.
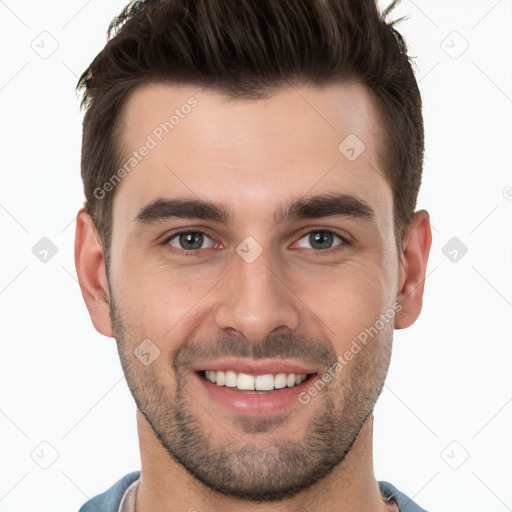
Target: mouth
{"points": [[247, 388]]}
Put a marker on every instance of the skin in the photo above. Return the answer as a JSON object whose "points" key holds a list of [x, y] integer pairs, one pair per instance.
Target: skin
{"points": [[294, 302]]}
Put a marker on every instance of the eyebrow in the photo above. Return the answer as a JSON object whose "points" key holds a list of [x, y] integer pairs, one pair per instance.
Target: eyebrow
{"points": [[326, 205]]}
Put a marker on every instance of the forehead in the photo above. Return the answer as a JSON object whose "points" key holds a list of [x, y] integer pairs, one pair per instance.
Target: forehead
{"points": [[186, 141]]}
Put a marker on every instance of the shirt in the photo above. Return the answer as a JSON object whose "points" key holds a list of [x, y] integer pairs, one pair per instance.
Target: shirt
{"points": [[121, 497]]}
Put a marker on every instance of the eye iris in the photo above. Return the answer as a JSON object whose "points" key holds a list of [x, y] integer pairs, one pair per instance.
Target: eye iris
{"points": [[191, 240], [321, 240]]}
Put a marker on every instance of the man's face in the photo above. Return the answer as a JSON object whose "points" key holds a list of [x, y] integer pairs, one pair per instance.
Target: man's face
{"points": [[255, 287]]}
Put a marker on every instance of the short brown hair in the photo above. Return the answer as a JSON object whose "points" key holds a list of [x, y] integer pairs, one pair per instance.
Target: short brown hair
{"points": [[246, 49]]}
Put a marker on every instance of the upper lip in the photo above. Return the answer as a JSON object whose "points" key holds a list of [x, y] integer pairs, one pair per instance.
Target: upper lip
{"points": [[255, 367]]}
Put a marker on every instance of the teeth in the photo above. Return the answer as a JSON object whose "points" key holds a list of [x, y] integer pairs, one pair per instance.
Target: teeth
{"points": [[280, 381], [231, 379], [264, 382], [244, 381]]}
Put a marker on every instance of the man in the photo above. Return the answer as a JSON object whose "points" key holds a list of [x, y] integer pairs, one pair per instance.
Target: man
{"points": [[250, 239]]}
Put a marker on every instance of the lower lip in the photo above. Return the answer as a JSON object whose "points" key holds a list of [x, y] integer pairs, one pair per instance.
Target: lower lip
{"points": [[256, 403]]}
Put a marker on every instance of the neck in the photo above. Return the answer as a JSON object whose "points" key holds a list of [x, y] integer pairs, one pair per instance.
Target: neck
{"points": [[166, 485]]}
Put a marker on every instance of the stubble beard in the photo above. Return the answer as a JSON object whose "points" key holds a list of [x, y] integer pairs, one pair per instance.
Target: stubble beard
{"points": [[270, 467]]}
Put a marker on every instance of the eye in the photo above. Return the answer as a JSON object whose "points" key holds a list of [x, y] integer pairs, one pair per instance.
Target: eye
{"points": [[190, 240], [321, 239]]}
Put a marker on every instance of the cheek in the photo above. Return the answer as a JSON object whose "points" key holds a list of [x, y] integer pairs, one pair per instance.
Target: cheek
{"points": [[159, 302], [347, 299]]}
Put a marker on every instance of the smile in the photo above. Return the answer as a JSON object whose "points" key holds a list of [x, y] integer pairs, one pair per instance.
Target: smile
{"points": [[247, 382], [253, 387]]}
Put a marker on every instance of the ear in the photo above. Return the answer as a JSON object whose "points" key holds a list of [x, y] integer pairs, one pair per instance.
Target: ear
{"points": [[90, 268], [413, 265]]}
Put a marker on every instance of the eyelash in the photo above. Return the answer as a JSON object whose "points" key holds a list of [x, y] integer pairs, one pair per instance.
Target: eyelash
{"points": [[320, 252]]}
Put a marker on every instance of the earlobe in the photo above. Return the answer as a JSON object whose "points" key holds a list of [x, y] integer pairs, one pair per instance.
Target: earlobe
{"points": [[91, 272], [413, 266]]}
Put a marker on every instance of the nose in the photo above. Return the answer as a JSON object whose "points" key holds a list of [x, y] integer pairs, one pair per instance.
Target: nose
{"points": [[257, 300]]}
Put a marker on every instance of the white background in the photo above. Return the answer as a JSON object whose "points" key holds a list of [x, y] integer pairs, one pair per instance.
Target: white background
{"points": [[449, 392]]}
